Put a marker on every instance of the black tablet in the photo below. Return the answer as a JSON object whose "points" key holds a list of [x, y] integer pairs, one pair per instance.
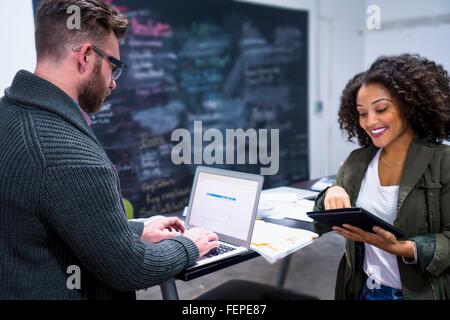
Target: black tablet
{"points": [[357, 217]]}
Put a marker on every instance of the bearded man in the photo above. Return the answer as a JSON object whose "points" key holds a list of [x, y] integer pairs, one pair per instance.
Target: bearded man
{"points": [[60, 203]]}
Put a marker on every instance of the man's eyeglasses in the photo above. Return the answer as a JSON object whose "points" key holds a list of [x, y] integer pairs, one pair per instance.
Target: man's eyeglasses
{"points": [[117, 66]]}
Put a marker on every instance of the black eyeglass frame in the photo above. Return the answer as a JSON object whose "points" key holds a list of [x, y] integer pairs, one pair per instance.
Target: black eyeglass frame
{"points": [[117, 66]]}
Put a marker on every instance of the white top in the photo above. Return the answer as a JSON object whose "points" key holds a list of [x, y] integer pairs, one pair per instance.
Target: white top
{"points": [[379, 265]]}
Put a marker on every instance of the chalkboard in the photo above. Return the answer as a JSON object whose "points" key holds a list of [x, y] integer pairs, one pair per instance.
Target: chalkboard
{"points": [[227, 64]]}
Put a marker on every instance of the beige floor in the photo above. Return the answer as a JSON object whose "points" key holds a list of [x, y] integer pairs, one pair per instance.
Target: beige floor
{"points": [[312, 271]]}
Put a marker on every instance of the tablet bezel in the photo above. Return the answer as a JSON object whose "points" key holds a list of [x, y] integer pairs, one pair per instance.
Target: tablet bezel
{"points": [[338, 217]]}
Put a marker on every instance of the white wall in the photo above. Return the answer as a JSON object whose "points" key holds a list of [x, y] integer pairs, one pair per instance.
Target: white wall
{"points": [[17, 40], [411, 26], [342, 56]]}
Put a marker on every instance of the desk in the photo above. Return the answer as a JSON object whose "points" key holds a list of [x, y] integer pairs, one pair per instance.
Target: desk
{"points": [[169, 289]]}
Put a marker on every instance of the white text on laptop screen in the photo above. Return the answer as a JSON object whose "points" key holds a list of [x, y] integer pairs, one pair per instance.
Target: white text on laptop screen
{"points": [[223, 204]]}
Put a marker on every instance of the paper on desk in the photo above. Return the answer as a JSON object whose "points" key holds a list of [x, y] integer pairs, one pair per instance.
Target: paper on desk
{"points": [[274, 242], [300, 193], [282, 209], [278, 197], [275, 204], [299, 210]]}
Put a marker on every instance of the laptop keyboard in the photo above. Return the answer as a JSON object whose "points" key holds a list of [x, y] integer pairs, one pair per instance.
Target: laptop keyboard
{"points": [[220, 250]]}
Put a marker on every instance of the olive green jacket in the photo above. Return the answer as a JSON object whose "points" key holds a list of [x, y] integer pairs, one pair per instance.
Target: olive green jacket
{"points": [[423, 213]]}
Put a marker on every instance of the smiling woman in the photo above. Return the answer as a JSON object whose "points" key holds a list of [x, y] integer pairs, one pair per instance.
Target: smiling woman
{"points": [[418, 86], [399, 112], [380, 116]]}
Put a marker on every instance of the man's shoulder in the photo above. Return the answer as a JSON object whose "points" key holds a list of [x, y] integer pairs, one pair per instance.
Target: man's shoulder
{"points": [[62, 142]]}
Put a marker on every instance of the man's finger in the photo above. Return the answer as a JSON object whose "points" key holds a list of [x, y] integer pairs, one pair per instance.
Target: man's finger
{"points": [[213, 244], [179, 225], [212, 237], [174, 222]]}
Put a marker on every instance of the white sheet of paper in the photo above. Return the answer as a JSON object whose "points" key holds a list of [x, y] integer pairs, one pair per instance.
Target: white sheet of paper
{"points": [[278, 197], [299, 210], [282, 203], [300, 193], [274, 242]]}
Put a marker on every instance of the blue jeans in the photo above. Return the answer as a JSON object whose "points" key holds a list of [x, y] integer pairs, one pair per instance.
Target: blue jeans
{"points": [[383, 293]]}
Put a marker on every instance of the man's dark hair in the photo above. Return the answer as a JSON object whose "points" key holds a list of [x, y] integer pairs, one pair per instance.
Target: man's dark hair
{"points": [[53, 36], [420, 86]]}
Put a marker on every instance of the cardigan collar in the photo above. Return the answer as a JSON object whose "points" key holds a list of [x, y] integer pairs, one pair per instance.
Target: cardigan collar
{"points": [[30, 90]]}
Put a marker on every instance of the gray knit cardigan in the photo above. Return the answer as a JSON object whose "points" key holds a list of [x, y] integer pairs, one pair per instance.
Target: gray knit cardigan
{"points": [[61, 208]]}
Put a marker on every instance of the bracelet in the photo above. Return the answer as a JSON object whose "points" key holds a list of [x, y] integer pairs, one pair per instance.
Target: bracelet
{"points": [[408, 260]]}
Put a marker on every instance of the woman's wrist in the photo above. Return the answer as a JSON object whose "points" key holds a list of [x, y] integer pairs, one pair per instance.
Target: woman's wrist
{"points": [[407, 249]]}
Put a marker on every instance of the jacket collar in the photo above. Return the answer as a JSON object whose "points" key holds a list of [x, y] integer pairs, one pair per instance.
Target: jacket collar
{"points": [[418, 158], [29, 90]]}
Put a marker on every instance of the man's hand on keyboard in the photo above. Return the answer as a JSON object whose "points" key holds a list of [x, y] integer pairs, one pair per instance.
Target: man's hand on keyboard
{"points": [[219, 250], [162, 229], [205, 240]]}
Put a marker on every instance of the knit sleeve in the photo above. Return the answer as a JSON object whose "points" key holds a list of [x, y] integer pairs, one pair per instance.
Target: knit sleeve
{"points": [[83, 206], [136, 227]]}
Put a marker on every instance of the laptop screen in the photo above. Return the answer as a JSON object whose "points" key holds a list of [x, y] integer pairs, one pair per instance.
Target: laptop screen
{"points": [[224, 204]]}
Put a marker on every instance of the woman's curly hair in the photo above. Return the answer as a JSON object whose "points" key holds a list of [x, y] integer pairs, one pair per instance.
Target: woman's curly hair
{"points": [[419, 86]]}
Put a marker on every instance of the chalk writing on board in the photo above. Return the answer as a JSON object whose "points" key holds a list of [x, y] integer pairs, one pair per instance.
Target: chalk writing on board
{"points": [[225, 63]]}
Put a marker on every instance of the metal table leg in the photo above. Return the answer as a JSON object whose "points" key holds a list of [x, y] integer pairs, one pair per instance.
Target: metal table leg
{"points": [[169, 290], [282, 272]]}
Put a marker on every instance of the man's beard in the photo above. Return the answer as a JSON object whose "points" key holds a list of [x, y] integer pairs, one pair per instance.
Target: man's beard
{"points": [[94, 92]]}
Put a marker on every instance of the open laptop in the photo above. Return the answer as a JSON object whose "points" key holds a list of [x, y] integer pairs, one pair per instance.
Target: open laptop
{"points": [[225, 202]]}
